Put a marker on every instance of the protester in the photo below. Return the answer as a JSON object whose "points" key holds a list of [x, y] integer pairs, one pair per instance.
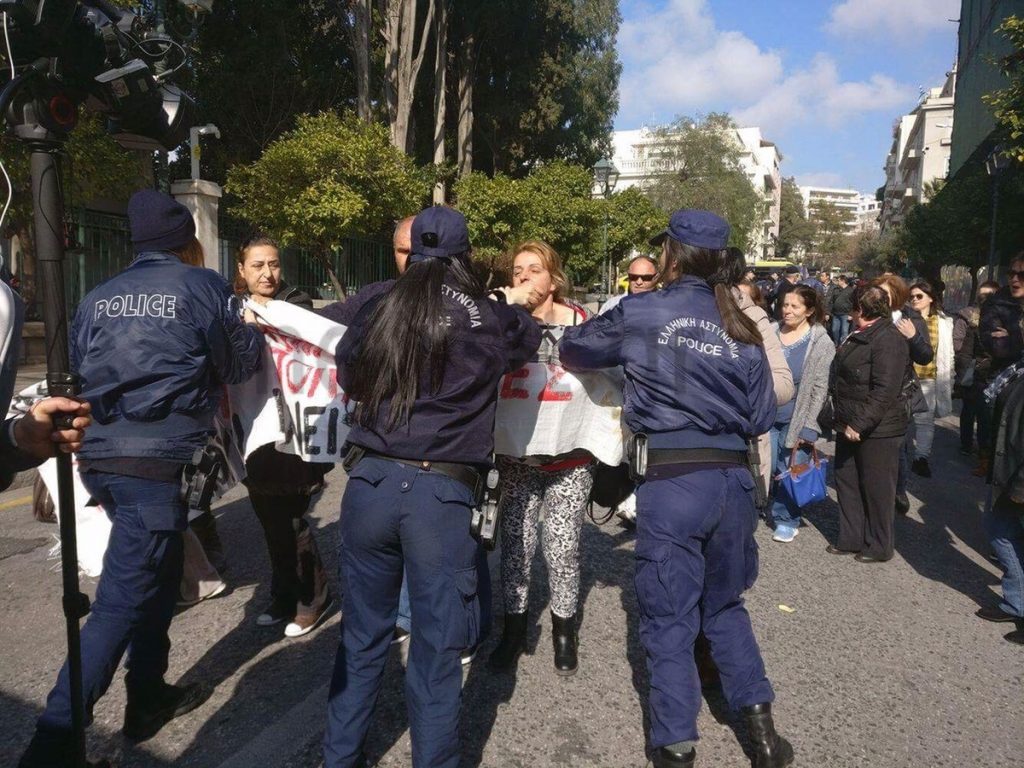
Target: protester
{"points": [[1001, 329], [152, 346], [972, 364], [698, 397], [809, 352], [642, 273], [839, 308], [422, 357], [870, 422], [1004, 515], [936, 377], [787, 284], [753, 292], [281, 485], [812, 281], [559, 486], [914, 329]]}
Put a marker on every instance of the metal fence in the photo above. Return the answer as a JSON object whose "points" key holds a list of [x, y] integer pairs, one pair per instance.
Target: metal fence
{"points": [[103, 248]]}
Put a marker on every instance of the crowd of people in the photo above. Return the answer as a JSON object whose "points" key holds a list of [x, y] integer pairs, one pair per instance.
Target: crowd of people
{"points": [[727, 385]]}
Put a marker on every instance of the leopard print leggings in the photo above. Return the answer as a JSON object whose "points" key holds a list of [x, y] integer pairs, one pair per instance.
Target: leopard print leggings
{"points": [[563, 495]]}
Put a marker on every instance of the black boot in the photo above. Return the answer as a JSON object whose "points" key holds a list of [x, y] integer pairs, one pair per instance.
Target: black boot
{"points": [[770, 749], [666, 757], [153, 705], [565, 640], [513, 642]]}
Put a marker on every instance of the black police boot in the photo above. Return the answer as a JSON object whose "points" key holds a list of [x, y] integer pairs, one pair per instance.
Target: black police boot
{"points": [[513, 642], [770, 749], [153, 705], [565, 640], [667, 757]]}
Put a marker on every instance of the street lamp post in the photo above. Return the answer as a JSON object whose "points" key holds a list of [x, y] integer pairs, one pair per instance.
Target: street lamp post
{"points": [[996, 163], [605, 177]]}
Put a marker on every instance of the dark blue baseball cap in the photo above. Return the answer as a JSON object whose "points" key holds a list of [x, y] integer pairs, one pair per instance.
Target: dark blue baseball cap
{"points": [[438, 233], [701, 229]]}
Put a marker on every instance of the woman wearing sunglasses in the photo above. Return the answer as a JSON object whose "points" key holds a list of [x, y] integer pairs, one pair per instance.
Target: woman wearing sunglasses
{"points": [[936, 377]]}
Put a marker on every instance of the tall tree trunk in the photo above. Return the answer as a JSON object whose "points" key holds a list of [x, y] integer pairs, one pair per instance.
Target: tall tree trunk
{"points": [[467, 71], [405, 45], [359, 39], [440, 95]]}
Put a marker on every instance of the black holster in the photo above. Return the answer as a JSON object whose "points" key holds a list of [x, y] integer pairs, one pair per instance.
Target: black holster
{"points": [[754, 464]]}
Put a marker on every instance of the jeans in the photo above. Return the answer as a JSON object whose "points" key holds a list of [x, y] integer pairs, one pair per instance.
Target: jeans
{"points": [[483, 582], [924, 423], [136, 595], [840, 328], [1004, 521], [784, 510]]}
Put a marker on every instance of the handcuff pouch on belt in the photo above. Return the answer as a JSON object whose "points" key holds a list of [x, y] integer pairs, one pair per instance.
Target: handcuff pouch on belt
{"points": [[199, 478], [754, 463], [636, 457]]}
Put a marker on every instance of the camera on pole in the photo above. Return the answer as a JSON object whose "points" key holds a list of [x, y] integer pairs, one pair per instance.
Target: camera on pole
{"points": [[60, 55]]}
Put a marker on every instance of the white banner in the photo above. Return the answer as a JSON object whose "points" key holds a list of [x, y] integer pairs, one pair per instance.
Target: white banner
{"points": [[543, 410]]}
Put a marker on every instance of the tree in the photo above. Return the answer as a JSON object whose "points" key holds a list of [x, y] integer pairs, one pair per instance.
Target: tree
{"points": [[796, 231], [831, 228], [632, 220], [407, 27], [332, 177], [701, 161], [1008, 103]]}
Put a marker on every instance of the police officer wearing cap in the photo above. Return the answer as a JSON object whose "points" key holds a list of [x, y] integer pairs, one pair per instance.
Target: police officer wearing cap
{"points": [[153, 346], [698, 387], [423, 356]]}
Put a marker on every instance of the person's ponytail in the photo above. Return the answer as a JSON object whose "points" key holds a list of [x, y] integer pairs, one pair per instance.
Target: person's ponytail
{"points": [[735, 321]]}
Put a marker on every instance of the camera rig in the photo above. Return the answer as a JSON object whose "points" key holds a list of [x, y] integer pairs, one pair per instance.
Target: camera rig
{"points": [[60, 55]]}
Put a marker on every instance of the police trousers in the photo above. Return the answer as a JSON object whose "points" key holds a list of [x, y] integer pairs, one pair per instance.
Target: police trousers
{"points": [[695, 556], [395, 516], [136, 595]]}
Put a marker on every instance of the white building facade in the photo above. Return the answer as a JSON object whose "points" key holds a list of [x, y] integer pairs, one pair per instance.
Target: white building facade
{"points": [[919, 154], [861, 210], [641, 154]]}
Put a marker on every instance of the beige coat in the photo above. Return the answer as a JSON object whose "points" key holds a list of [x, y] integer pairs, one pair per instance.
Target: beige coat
{"points": [[782, 378]]}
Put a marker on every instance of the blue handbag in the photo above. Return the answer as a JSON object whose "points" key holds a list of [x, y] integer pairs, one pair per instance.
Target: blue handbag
{"points": [[804, 483]]}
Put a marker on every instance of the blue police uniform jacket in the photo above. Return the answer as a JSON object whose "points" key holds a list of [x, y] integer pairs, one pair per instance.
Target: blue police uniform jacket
{"points": [[489, 338], [688, 383], [153, 346]]}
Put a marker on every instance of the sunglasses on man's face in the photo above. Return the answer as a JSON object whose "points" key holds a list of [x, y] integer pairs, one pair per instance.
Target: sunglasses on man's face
{"points": [[1015, 274], [645, 278]]}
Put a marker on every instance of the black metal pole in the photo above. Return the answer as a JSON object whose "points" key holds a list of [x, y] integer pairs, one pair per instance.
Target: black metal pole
{"points": [[48, 216], [992, 235]]}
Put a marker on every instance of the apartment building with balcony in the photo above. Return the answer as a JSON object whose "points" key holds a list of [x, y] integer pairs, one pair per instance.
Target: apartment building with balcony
{"points": [[642, 154], [920, 152]]}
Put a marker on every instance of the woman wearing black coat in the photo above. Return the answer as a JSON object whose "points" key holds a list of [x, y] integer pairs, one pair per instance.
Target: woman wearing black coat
{"points": [[870, 420]]}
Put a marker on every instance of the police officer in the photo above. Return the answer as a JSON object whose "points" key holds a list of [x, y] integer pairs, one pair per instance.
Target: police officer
{"points": [[422, 356], [152, 346], [698, 387]]}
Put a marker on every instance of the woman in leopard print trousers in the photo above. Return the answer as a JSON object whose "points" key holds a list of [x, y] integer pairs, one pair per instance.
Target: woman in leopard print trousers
{"points": [[558, 485]]}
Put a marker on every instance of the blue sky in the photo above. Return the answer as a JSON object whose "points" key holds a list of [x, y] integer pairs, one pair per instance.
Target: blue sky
{"points": [[824, 79]]}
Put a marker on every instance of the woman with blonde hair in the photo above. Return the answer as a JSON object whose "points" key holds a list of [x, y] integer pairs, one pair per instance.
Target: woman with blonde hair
{"points": [[560, 485]]}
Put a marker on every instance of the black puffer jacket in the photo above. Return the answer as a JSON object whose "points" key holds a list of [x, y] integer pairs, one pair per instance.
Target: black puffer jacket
{"points": [[868, 375], [1002, 311]]}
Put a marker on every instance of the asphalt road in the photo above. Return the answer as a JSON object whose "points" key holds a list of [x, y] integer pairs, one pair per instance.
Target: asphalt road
{"points": [[877, 665]]}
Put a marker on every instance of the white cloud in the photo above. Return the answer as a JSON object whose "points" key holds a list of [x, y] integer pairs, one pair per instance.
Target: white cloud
{"points": [[891, 18], [676, 61]]}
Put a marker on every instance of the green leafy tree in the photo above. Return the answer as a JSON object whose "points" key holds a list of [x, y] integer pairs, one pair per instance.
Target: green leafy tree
{"points": [[701, 169], [632, 220], [831, 229], [333, 176], [1007, 104], [796, 231]]}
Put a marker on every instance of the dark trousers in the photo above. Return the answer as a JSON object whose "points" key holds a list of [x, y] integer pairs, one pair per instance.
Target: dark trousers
{"points": [[136, 594], [695, 556], [866, 485], [395, 516], [293, 567], [975, 412]]}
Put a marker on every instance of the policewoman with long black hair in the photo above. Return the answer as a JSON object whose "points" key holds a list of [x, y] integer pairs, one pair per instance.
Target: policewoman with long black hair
{"points": [[698, 388], [423, 357]]}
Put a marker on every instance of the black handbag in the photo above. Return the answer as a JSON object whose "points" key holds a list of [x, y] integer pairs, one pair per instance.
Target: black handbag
{"points": [[612, 486]]}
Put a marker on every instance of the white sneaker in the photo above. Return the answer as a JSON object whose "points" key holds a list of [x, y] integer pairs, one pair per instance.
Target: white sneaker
{"points": [[785, 534], [306, 621]]}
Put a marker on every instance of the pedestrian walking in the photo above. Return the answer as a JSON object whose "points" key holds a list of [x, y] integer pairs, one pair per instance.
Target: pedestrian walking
{"points": [[808, 351], [870, 420], [422, 357], [152, 345], [840, 307], [694, 398], [935, 377], [971, 369]]}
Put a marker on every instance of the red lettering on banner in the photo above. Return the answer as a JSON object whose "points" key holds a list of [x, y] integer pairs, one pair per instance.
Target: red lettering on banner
{"points": [[550, 393], [296, 386], [314, 381], [508, 389]]}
